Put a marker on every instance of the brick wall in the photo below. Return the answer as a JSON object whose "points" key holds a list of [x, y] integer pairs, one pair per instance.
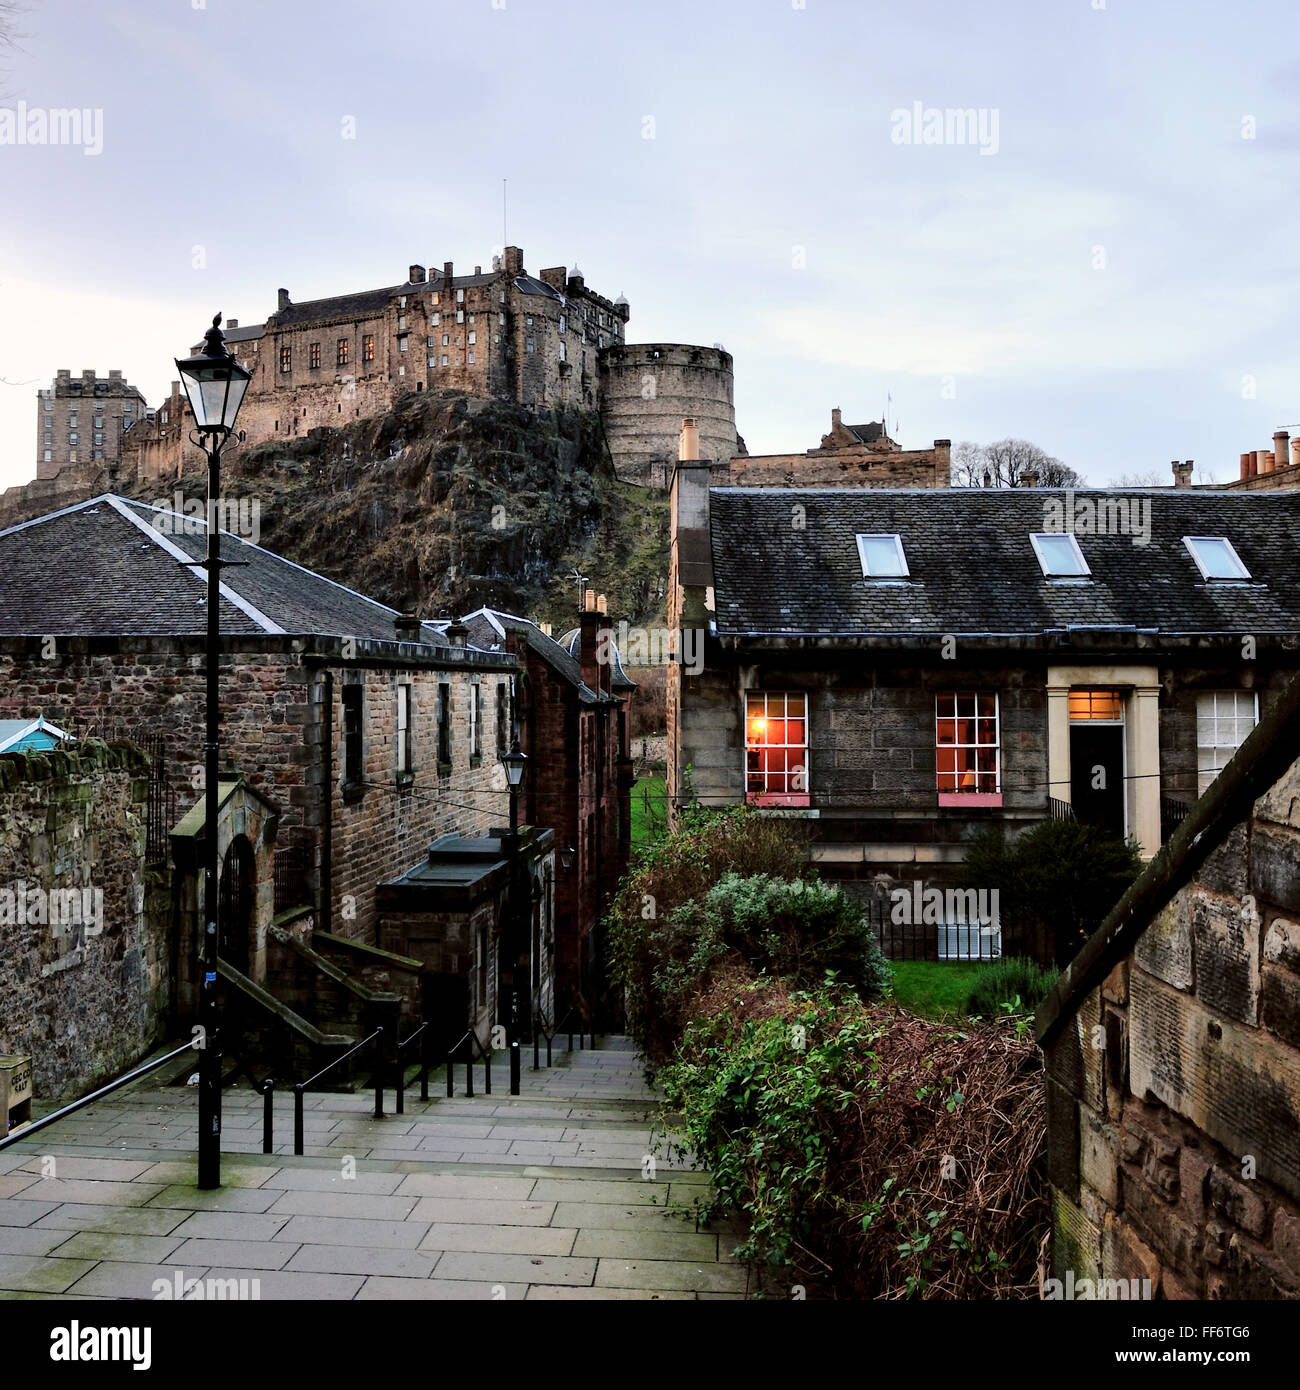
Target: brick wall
{"points": [[86, 1005], [1174, 1092]]}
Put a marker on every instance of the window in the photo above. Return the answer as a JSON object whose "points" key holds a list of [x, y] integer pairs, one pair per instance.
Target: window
{"points": [[460, 296], [1216, 557], [482, 967], [1059, 554], [882, 556], [475, 721], [313, 355], [564, 324], [99, 453], [444, 724], [444, 359], [473, 338], [286, 359], [99, 438], [1223, 720], [368, 346], [503, 719], [1105, 705], [471, 358], [49, 453], [471, 318], [401, 323], [460, 316], [446, 339], [530, 344], [564, 355], [966, 745], [528, 321], [72, 439], [49, 405], [344, 349], [776, 749], [435, 298], [404, 729], [49, 439], [353, 772], [403, 341], [72, 420], [501, 322], [72, 456]]}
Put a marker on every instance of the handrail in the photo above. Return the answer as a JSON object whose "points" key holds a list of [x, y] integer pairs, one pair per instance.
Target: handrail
{"points": [[264, 1088], [584, 1017], [472, 1038], [377, 1037], [36, 1125], [420, 1033], [542, 1028]]}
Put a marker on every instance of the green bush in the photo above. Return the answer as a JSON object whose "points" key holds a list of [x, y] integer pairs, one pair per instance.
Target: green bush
{"points": [[796, 930], [1013, 980], [1056, 882]]}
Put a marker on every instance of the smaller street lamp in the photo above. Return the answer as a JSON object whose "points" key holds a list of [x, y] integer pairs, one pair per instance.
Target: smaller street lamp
{"points": [[567, 855], [515, 763]]}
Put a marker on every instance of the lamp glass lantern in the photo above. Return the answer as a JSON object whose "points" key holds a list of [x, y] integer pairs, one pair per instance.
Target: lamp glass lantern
{"points": [[567, 855], [515, 763], [214, 383]]}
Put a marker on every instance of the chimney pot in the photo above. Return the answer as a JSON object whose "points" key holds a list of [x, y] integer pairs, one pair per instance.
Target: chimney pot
{"points": [[457, 633], [407, 627], [1182, 473], [1245, 465], [835, 418], [1295, 452], [688, 445], [1029, 477], [1281, 448]]}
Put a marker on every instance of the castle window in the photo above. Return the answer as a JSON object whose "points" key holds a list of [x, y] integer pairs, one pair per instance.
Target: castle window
{"points": [[564, 324], [966, 743], [403, 728], [353, 708], [460, 296], [436, 320], [368, 347], [403, 340], [444, 359], [313, 355], [444, 724], [471, 357], [460, 316], [286, 359], [530, 344], [344, 352], [564, 355], [503, 719], [475, 721], [473, 338]]}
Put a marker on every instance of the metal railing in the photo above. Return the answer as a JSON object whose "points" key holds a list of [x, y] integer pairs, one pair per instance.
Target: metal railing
{"points": [[377, 1037], [1172, 814], [421, 1035], [1060, 810], [293, 867], [471, 1043], [264, 1088], [579, 1011], [543, 1027], [63, 1111]]}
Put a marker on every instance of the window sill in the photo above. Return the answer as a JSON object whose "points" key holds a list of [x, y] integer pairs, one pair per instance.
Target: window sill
{"points": [[405, 779], [778, 799], [970, 800], [353, 792]]}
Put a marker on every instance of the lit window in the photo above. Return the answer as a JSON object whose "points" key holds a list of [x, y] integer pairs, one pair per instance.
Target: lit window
{"points": [[344, 350], [436, 298], [882, 556], [966, 743], [72, 456], [1059, 554], [776, 749], [286, 359], [368, 346], [1215, 557], [1223, 720], [1105, 705]]}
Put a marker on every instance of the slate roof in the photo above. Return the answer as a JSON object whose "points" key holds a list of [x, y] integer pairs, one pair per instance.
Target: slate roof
{"points": [[529, 284], [487, 629], [973, 569], [364, 305], [103, 568], [867, 433]]}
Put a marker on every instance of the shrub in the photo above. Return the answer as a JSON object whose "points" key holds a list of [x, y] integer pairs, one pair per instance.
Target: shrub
{"points": [[871, 1154], [1056, 883], [797, 930], [1013, 980]]}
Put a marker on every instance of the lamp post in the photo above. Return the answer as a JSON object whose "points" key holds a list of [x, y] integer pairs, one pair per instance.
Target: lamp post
{"points": [[215, 384], [515, 764]]}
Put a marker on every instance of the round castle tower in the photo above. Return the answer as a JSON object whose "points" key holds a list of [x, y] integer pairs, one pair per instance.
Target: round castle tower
{"points": [[647, 389]]}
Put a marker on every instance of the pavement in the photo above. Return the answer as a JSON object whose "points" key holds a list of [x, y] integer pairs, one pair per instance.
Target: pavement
{"points": [[558, 1193]]}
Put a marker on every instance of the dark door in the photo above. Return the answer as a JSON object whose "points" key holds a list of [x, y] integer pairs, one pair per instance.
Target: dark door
{"points": [[235, 905], [1097, 775]]}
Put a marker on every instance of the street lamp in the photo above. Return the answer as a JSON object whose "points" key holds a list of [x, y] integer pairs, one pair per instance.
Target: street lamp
{"points": [[567, 855], [515, 763], [215, 384]]}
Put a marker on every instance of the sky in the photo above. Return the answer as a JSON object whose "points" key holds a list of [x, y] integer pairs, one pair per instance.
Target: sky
{"points": [[1101, 261]]}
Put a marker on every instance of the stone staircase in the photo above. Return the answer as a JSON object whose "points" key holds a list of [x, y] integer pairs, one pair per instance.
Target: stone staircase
{"points": [[555, 1193]]}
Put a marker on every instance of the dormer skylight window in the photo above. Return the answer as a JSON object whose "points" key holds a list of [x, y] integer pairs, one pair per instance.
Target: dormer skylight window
{"points": [[882, 556], [1216, 557], [1059, 555]]}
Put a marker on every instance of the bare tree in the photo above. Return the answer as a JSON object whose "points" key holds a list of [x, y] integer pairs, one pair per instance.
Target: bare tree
{"points": [[9, 34], [1005, 463], [1144, 477]]}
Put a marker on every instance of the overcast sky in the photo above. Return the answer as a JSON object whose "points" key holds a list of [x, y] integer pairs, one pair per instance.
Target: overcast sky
{"points": [[1110, 270]]}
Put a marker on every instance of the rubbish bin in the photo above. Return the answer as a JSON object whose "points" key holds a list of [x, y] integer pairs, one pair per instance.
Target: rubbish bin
{"points": [[15, 1094]]}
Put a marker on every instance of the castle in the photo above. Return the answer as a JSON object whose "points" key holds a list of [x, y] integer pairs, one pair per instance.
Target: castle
{"points": [[542, 341]]}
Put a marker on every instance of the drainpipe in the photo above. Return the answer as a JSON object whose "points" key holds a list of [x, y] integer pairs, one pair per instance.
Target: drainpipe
{"points": [[325, 913]]}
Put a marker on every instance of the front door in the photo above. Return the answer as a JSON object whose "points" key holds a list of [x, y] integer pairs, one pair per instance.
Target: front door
{"points": [[1097, 775]]}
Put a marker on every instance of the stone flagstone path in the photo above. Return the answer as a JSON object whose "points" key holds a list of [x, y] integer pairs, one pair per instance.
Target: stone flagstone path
{"points": [[537, 1196]]}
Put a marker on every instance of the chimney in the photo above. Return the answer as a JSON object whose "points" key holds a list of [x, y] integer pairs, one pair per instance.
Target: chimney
{"points": [[1295, 452], [415, 275], [478, 270], [1246, 461], [514, 261], [1281, 448], [835, 419], [457, 633], [115, 373], [1182, 473], [447, 286], [604, 645], [1029, 477], [688, 442], [282, 299], [589, 628], [407, 626], [1265, 457], [230, 323]]}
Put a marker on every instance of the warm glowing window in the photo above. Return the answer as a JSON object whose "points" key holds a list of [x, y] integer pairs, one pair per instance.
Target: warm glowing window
{"points": [[1223, 720], [344, 349], [966, 743], [368, 348], [1096, 704], [776, 749]]}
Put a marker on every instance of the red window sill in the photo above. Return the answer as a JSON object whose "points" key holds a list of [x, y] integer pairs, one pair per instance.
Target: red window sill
{"points": [[778, 799], [966, 800]]}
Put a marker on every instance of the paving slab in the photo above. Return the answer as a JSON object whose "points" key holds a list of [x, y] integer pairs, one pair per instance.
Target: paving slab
{"points": [[520, 1269], [112, 1194], [644, 1244], [355, 1205], [455, 1290], [41, 1273], [75, 1166], [230, 1225], [358, 1259], [280, 1285], [113, 1245], [127, 1221], [185, 1173], [566, 1292], [338, 1230], [331, 1180], [35, 1240], [630, 1191], [502, 1240], [253, 1254], [454, 1185], [13, 1183], [237, 1199], [671, 1274], [457, 1210]]}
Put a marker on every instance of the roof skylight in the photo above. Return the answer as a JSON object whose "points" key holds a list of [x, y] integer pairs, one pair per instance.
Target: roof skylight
{"points": [[1216, 557], [1059, 554], [882, 556]]}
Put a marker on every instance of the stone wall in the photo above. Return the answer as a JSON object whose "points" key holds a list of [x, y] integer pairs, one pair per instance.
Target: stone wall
{"points": [[84, 998], [1174, 1088], [851, 467]]}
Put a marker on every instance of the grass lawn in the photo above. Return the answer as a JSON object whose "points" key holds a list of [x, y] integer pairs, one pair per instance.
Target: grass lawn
{"points": [[649, 811], [933, 988]]}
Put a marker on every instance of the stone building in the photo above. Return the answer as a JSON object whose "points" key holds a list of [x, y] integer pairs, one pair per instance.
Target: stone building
{"points": [[849, 456], [1269, 470], [81, 422], [572, 711], [1172, 1047], [903, 668]]}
